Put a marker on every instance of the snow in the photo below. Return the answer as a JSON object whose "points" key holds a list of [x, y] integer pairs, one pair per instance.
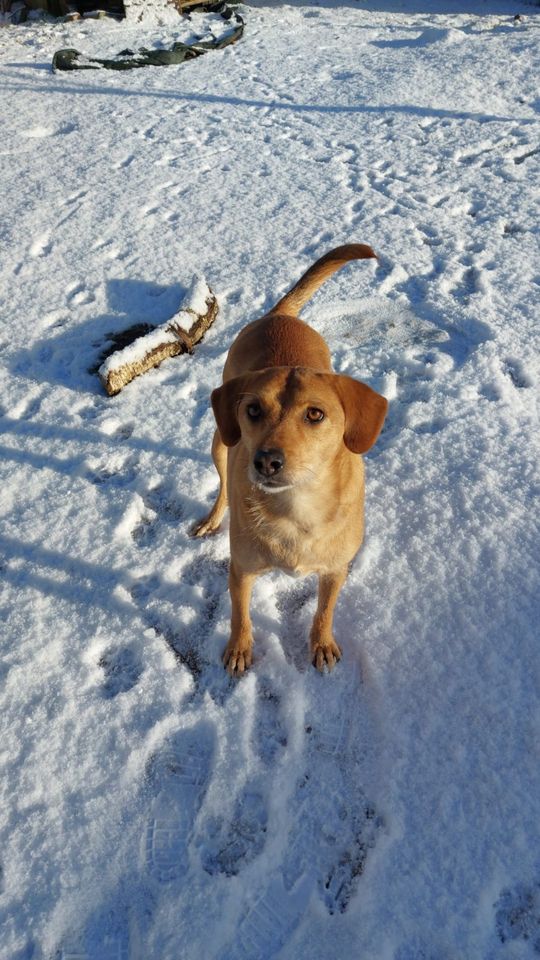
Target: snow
{"points": [[150, 806]]}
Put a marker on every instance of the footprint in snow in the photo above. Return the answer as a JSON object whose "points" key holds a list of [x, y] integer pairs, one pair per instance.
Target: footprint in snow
{"points": [[109, 426], [512, 370], [517, 914], [333, 829], [230, 845], [105, 937], [144, 532], [269, 921], [350, 847], [72, 952], [164, 502], [27, 408], [125, 431], [41, 246], [512, 230], [429, 235], [201, 588], [75, 197], [41, 132], [467, 284], [520, 158], [143, 588], [475, 157], [210, 573], [178, 776], [126, 162], [184, 642], [93, 410], [330, 840], [416, 949], [78, 295], [118, 471], [122, 669], [329, 725], [269, 733], [31, 409], [54, 320], [515, 370]]}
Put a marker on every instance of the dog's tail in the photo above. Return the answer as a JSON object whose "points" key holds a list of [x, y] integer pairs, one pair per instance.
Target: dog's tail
{"points": [[309, 283]]}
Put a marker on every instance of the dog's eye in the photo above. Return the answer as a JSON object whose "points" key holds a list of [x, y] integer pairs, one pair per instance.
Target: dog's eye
{"points": [[314, 415], [253, 410]]}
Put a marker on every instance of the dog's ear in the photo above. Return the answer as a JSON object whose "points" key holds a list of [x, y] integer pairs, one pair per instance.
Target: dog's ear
{"points": [[224, 404], [365, 411]]}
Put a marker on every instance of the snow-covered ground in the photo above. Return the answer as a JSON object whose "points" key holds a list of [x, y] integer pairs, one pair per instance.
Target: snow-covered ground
{"points": [[151, 808]]}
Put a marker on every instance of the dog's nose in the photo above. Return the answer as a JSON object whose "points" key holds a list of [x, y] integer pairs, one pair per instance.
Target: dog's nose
{"points": [[268, 462]]}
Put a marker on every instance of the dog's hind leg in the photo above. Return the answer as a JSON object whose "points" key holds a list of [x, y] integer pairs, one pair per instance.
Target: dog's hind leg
{"points": [[211, 523]]}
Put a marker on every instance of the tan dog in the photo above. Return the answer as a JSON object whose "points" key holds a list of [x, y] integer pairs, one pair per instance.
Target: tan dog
{"points": [[293, 430]]}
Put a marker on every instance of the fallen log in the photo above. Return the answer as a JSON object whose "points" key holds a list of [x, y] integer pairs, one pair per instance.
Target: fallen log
{"points": [[179, 335]]}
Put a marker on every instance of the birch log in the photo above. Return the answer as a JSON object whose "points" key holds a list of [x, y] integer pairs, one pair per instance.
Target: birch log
{"points": [[179, 335]]}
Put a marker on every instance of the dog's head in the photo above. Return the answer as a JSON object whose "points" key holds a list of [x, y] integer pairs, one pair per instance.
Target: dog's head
{"points": [[294, 421]]}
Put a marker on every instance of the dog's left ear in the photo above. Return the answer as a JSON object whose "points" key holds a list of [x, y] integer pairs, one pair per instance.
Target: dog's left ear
{"points": [[225, 401], [365, 411]]}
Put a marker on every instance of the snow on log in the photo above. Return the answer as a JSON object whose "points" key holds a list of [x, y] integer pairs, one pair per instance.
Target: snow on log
{"points": [[197, 312]]}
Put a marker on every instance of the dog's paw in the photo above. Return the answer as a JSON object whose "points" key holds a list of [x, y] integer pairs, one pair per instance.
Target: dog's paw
{"points": [[237, 657], [325, 653], [206, 527]]}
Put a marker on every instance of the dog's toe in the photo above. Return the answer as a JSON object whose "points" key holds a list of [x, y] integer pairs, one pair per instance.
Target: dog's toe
{"points": [[204, 528], [237, 660], [325, 655]]}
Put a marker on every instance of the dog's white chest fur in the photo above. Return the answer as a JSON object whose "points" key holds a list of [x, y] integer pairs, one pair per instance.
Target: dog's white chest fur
{"points": [[290, 541]]}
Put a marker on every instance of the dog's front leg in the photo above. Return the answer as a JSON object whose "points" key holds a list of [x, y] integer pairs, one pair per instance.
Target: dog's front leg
{"points": [[238, 652], [324, 649]]}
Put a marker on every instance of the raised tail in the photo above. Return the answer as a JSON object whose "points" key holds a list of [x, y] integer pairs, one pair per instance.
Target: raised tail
{"points": [[309, 283]]}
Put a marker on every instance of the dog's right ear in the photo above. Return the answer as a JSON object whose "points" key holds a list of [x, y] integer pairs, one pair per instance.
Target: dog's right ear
{"points": [[225, 400]]}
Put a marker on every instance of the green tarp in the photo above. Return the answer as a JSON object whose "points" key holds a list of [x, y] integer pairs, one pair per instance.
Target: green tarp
{"points": [[69, 59]]}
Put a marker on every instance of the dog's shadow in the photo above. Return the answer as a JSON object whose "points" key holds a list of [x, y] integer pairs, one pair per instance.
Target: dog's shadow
{"points": [[296, 605]]}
